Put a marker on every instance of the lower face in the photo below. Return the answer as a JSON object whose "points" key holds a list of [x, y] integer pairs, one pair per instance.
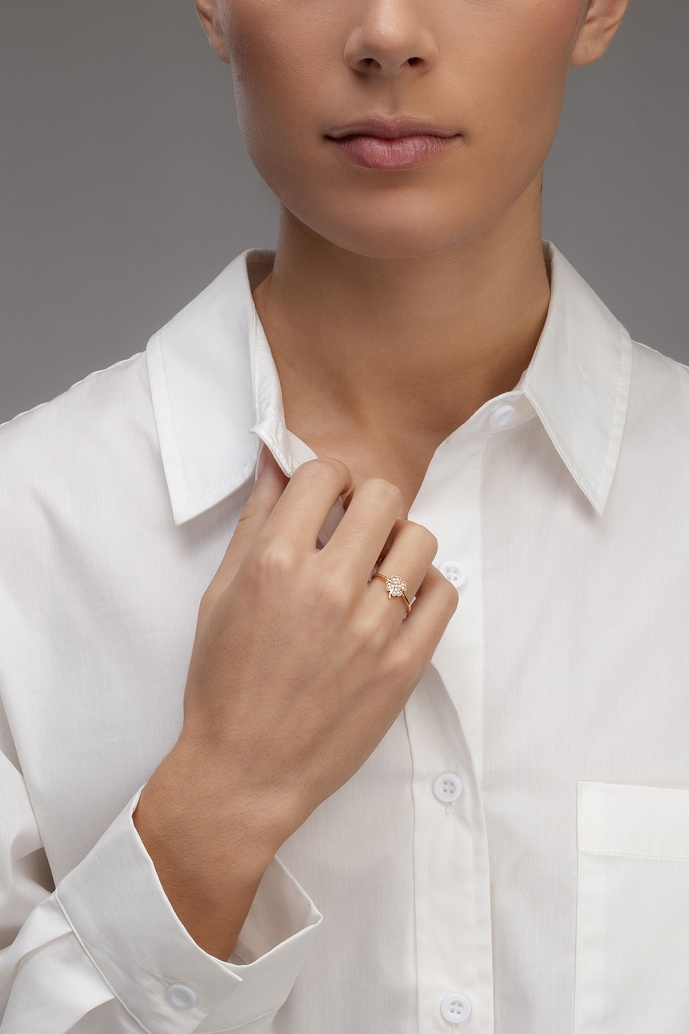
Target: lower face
{"points": [[493, 72]]}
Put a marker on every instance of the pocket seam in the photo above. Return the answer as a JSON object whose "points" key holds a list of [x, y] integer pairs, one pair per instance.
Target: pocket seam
{"points": [[636, 854], [633, 820], [622, 820]]}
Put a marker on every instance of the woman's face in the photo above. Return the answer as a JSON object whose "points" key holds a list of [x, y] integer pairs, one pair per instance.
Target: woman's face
{"points": [[493, 71]]}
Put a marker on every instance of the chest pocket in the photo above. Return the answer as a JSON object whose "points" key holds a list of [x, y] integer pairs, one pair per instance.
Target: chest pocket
{"points": [[632, 946]]}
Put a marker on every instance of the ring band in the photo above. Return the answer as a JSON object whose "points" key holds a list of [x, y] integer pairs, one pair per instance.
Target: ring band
{"points": [[395, 586]]}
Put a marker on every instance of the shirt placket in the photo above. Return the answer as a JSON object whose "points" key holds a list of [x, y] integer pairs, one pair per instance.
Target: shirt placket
{"points": [[444, 722]]}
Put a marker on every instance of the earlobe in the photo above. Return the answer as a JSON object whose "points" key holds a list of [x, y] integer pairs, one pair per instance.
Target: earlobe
{"points": [[603, 19], [209, 16]]}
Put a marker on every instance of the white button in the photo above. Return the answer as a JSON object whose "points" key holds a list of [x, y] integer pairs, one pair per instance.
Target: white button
{"points": [[447, 787], [180, 996], [454, 572], [456, 1008], [502, 416]]}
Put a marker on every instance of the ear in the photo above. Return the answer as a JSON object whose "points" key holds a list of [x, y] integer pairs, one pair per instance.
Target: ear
{"points": [[209, 16], [602, 21]]}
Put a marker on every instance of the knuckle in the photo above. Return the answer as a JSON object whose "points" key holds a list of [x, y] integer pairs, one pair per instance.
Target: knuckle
{"points": [[247, 514], [322, 468], [276, 559], [206, 605], [388, 489], [426, 535], [449, 593], [369, 630]]}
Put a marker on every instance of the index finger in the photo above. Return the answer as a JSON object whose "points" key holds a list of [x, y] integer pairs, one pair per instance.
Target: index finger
{"points": [[306, 501]]}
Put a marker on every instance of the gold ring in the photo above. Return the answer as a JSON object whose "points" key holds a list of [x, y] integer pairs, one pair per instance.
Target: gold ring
{"points": [[395, 586]]}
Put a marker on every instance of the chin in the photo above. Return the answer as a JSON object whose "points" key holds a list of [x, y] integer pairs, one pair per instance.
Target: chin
{"points": [[407, 239]]}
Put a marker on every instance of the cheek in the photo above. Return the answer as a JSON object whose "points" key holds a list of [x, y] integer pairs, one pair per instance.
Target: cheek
{"points": [[513, 59], [275, 79], [519, 55]]}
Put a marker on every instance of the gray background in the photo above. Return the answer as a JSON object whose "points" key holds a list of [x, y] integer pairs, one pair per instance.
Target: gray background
{"points": [[126, 187]]}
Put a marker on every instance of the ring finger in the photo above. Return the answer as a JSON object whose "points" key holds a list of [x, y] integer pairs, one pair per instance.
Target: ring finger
{"points": [[411, 552]]}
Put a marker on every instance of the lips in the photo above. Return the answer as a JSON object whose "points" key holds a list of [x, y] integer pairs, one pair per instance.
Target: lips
{"points": [[398, 153], [390, 129]]}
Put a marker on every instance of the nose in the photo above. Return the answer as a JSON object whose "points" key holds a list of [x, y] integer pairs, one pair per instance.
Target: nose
{"points": [[390, 38]]}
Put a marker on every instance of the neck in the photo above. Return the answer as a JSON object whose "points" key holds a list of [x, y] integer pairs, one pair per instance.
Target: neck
{"points": [[402, 350]]}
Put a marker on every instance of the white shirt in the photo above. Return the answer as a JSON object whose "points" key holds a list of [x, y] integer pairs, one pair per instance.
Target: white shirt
{"points": [[514, 855]]}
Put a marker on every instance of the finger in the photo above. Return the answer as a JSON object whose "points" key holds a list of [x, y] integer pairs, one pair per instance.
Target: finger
{"points": [[411, 553], [266, 491], [436, 601], [361, 535], [300, 513]]}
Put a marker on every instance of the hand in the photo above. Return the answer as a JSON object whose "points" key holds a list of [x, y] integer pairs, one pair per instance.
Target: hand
{"points": [[300, 664]]}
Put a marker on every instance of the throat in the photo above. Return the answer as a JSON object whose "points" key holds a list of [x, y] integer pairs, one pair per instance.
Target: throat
{"points": [[407, 471]]}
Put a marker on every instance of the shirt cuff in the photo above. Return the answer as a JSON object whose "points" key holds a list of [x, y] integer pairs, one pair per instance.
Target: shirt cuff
{"points": [[118, 909]]}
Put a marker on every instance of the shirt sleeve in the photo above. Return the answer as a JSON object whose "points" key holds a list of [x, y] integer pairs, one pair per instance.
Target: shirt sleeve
{"points": [[104, 952]]}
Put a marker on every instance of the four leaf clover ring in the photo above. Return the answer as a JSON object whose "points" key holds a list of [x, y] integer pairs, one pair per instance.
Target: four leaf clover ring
{"points": [[395, 586]]}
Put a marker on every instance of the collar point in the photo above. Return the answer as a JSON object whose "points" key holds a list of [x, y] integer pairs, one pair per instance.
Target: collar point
{"points": [[597, 497]]}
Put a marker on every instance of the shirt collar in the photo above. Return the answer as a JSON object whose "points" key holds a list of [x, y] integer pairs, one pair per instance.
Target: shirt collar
{"points": [[216, 392]]}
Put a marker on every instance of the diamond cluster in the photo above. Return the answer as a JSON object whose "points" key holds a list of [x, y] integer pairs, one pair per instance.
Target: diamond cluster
{"points": [[395, 586]]}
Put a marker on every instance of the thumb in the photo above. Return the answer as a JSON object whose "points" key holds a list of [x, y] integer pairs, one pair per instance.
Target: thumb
{"points": [[268, 487]]}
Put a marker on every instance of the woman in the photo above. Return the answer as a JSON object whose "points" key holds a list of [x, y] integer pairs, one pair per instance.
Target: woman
{"points": [[364, 805]]}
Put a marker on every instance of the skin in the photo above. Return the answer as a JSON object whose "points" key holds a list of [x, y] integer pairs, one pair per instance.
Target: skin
{"points": [[401, 301]]}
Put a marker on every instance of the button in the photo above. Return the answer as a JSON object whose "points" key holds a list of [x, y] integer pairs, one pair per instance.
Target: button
{"points": [[180, 996], [454, 572], [447, 787], [456, 1008], [502, 416]]}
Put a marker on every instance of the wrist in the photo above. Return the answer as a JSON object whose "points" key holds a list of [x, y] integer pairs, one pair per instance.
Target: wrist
{"points": [[190, 816]]}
